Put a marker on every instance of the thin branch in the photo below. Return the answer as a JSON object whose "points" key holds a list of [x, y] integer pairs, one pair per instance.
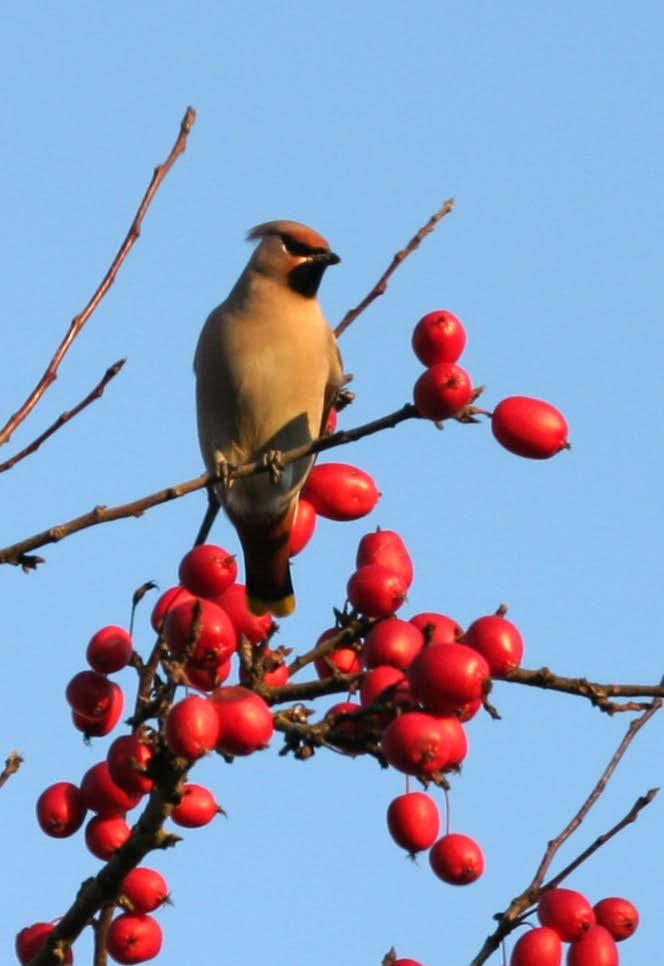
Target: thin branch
{"points": [[13, 762], [18, 554], [521, 904], [65, 417], [100, 926], [79, 321], [598, 694], [381, 285]]}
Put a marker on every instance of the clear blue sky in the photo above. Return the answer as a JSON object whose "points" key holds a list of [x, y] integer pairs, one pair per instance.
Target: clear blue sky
{"points": [[545, 122]]}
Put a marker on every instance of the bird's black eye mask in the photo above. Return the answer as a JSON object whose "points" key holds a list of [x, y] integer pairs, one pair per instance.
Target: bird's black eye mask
{"points": [[295, 247]]}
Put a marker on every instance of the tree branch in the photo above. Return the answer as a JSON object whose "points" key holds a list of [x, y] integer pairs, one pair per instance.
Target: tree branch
{"points": [[18, 553], [597, 694], [77, 323], [519, 906], [381, 285], [13, 762], [96, 393]]}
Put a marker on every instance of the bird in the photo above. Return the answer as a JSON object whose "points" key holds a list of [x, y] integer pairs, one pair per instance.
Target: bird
{"points": [[268, 370]]}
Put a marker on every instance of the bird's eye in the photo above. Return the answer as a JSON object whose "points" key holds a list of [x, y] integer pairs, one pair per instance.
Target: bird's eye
{"points": [[295, 247]]}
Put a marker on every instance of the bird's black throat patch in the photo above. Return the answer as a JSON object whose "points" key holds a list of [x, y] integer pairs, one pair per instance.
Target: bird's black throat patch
{"points": [[306, 277]]}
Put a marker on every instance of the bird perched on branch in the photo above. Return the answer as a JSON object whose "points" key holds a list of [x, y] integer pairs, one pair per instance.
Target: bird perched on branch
{"points": [[267, 372]]}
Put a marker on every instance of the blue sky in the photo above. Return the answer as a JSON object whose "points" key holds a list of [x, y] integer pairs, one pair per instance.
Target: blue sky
{"points": [[360, 119]]}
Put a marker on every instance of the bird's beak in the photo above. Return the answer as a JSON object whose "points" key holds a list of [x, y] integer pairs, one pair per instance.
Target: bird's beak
{"points": [[327, 258]]}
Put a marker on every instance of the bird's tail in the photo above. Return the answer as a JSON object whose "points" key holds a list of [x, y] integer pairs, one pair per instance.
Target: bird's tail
{"points": [[266, 547]]}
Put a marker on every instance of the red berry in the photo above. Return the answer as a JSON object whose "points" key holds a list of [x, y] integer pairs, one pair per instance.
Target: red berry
{"points": [[346, 725], [383, 678], [331, 423], [245, 721], [376, 591], [442, 391], [234, 602], [438, 337], [597, 947], [105, 834], [192, 727], [278, 673], [538, 947], [200, 630], [444, 678], [413, 821], [196, 808], [60, 810], [134, 939], [169, 599], [144, 889], [529, 427], [304, 525], [392, 641], [206, 571], [619, 916], [339, 491], [457, 738], [457, 859], [110, 649], [499, 641], [406, 962], [128, 759], [31, 939], [566, 911], [90, 694], [385, 547], [437, 628], [102, 725], [345, 660], [208, 674], [416, 744], [100, 793]]}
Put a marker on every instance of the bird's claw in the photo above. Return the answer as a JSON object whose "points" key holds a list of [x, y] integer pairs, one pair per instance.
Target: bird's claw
{"points": [[343, 398], [274, 461], [224, 473]]}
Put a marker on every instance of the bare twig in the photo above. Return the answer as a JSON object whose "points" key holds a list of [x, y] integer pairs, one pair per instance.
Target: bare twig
{"points": [[598, 694], [65, 417], [100, 926], [520, 905], [79, 321], [18, 554], [13, 762], [381, 285]]}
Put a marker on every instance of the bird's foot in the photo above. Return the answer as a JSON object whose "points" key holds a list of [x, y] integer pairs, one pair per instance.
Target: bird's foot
{"points": [[224, 473], [274, 461], [343, 398]]}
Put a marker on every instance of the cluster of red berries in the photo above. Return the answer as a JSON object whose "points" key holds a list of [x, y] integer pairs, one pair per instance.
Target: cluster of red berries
{"points": [[528, 427], [428, 676], [567, 917]]}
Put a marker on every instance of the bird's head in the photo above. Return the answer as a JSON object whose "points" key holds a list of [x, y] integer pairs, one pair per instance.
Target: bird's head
{"points": [[293, 254]]}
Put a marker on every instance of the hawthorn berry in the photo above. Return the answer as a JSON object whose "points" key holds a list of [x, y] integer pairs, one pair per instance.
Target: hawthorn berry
{"points": [[416, 744], [437, 628], [199, 630], [91, 694], [376, 591], [442, 391], [339, 491], [192, 727], [457, 859], [128, 760], [276, 672], [105, 834], [101, 794], [457, 739], [134, 938], [304, 526], [530, 427], [499, 641], [245, 721], [540, 946], [566, 911], [386, 678], [143, 890], [31, 939], [103, 724], [387, 548], [596, 947], [208, 674], [109, 649], [439, 337], [196, 808], [169, 599], [619, 916], [392, 641], [207, 570], [413, 821], [234, 602], [60, 810], [444, 678]]}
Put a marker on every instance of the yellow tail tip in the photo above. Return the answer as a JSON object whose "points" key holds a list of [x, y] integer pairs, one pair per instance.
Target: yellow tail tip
{"points": [[280, 608]]}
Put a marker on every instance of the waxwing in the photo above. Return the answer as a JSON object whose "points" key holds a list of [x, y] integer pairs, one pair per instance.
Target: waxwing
{"points": [[267, 372]]}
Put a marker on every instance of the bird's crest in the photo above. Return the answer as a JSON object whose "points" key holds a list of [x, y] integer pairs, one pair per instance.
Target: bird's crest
{"points": [[295, 230]]}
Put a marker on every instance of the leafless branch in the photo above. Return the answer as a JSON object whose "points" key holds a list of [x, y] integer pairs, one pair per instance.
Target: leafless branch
{"points": [[18, 554], [65, 417], [597, 694], [100, 925], [381, 285], [13, 762], [520, 905], [79, 321]]}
